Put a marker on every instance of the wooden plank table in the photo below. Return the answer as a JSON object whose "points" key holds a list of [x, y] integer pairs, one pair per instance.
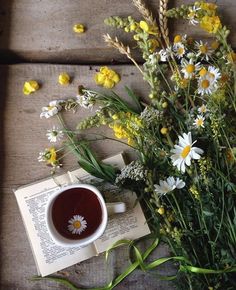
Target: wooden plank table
{"points": [[41, 31]]}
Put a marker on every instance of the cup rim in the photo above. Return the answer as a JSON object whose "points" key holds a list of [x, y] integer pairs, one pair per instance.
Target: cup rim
{"points": [[57, 237]]}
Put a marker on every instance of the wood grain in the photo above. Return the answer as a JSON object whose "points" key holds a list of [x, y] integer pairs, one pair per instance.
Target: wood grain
{"points": [[41, 30], [23, 136]]}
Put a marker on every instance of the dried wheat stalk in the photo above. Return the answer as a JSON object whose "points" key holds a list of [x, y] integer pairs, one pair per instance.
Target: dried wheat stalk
{"points": [[163, 21], [147, 15], [121, 47]]}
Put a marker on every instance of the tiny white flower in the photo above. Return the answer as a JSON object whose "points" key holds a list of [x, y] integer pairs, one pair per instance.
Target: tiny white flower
{"points": [[168, 185], [52, 109], [189, 68], [179, 50], [54, 134], [203, 109], [184, 152], [192, 15], [85, 101], [203, 50], [199, 121], [77, 224]]}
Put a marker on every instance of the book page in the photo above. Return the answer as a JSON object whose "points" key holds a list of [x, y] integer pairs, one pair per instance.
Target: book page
{"points": [[49, 257]]}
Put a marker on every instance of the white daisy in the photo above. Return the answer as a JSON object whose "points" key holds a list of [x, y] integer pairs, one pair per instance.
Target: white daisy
{"points": [[184, 152], [189, 68], [203, 109], [179, 50], [199, 121], [52, 109], [206, 85], [54, 134], [77, 224], [214, 73], [168, 185], [203, 50]]}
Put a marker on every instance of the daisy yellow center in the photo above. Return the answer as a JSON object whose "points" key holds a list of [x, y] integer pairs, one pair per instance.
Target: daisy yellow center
{"points": [[205, 84], [199, 122], [202, 72], [50, 107], [178, 38], [180, 50], [203, 49], [77, 224], [190, 68], [203, 109], [185, 151]]}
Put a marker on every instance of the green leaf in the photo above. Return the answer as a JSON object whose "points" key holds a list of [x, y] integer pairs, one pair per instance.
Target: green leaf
{"points": [[207, 213], [119, 243], [135, 98]]}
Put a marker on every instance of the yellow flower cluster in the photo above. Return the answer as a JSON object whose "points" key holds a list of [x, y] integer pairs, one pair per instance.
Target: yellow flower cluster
{"points": [[106, 77], [210, 24], [126, 126]]}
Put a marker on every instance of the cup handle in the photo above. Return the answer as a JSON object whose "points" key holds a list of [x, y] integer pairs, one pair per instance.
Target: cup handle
{"points": [[115, 207]]}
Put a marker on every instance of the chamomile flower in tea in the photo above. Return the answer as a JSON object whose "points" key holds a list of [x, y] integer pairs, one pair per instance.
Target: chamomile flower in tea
{"points": [[77, 224]]}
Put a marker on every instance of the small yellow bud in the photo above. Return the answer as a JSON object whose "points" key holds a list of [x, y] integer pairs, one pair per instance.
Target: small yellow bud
{"points": [[64, 79], [202, 72], [79, 28], [115, 117], [133, 26], [161, 210], [215, 44], [126, 29], [30, 87], [164, 105], [164, 131], [136, 37]]}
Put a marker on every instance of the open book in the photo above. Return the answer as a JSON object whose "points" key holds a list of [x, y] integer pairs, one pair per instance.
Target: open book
{"points": [[50, 257]]}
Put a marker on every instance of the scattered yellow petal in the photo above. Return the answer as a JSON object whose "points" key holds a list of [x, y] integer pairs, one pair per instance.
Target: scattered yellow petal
{"points": [[64, 79], [30, 87], [79, 28]]}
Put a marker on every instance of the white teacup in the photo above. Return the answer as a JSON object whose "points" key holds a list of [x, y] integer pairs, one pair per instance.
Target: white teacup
{"points": [[77, 215]]}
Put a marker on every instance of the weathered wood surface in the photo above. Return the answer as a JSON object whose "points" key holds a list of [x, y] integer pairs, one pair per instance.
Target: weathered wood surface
{"points": [[41, 30], [23, 136]]}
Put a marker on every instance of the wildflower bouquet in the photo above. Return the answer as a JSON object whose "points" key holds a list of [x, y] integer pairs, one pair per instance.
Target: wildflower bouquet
{"points": [[184, 134]]}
